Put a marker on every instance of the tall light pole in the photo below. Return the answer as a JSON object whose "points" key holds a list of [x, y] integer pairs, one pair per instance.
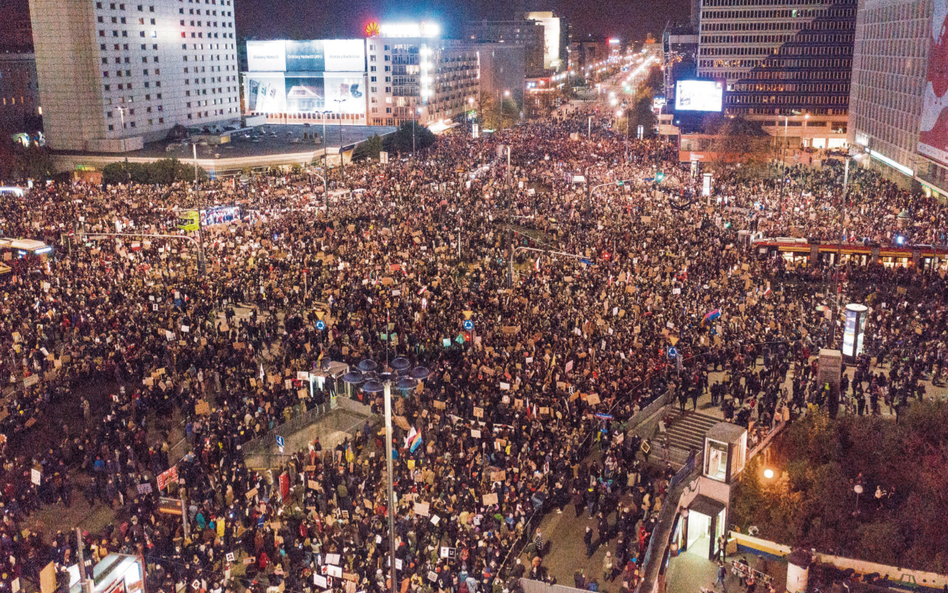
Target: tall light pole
{"points": [[839, 251], [372, 383], [121, 111], [342, 158], [506, 95], [323, 114], [197, 196]]}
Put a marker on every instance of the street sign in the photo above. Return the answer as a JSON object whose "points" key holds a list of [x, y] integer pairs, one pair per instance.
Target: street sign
{"points": [[672, 352], [189, 220], [320, 325], [468, 324], [170, 506], [280, 442]]}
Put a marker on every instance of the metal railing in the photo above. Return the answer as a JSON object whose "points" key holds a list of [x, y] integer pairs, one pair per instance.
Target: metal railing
{"points": [[265, 444], [654, 560], [531, 586]]}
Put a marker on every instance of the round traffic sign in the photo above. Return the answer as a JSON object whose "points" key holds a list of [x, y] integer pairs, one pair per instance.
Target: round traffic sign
{"points": [[672, 352], [468, 324], [320, 325]]}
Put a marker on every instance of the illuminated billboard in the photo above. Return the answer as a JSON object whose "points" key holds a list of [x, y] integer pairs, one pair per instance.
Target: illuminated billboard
{"points": [[854, 330], [337, 92], [699, 95], [332, 55], [420, 29], [933, 125]]}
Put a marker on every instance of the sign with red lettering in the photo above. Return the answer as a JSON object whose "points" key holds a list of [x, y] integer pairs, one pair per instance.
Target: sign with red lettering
{"points": [[166, 477]]}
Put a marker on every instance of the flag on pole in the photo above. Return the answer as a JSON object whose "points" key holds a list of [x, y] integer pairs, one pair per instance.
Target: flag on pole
{"points": [[536, 264]]}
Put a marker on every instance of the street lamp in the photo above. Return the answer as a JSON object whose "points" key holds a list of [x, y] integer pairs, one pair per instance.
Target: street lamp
{"points": [[373, 382], [322, 115], [342, 161], [414, 114], [769, 474], [121, 111], [858, 490]]}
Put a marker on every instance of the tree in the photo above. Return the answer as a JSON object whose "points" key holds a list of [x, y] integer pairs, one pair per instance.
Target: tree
{"points": [[408, 137], [490, 112], [655, 81], [740, 144], [822, 460], [161, 172], [641, 114], [496, 116], [367, 149]]}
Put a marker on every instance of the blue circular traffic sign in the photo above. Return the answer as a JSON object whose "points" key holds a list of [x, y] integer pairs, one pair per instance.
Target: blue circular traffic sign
{"points": [[320, 325], [672, 352], [468, 324]]}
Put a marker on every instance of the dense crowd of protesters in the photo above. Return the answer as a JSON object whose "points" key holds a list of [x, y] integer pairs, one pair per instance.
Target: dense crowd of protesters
{"points": [[604, 280]]}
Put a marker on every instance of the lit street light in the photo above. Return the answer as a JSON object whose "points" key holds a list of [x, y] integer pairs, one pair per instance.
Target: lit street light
{"points": [[373, 382]]}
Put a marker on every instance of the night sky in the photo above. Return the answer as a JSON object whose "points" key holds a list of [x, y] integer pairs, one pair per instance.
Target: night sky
{"points": [[264, 19]]}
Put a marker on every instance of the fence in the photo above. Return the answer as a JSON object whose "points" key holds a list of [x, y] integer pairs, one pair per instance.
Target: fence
{"points": [[531, 586], [340, 418], [650, 410], [534, 521]]}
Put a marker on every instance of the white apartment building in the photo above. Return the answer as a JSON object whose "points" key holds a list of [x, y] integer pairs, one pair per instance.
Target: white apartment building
{"points": [[419, 77], [114, 75]]}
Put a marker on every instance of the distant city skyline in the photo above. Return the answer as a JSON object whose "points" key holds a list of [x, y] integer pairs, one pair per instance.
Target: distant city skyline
{"points": [[346, 18]]}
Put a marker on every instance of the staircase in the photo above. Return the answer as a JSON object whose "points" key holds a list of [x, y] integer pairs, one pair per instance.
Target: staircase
{"points": [[687, 430]]}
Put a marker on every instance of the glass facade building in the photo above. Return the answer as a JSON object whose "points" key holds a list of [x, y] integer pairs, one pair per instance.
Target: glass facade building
{"points": [[786, 63]]}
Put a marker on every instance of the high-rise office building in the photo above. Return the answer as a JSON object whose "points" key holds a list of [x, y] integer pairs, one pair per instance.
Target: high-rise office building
{"points": [[114, 75], [786, 63], [19, 101], [555, 43], [895, 66], [529, 34]]}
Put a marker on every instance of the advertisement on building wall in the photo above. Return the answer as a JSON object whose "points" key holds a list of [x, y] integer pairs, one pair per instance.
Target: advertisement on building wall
{"points": [[335, 55], [266, 56], [337, 92], [933, 126], [699, 95]]}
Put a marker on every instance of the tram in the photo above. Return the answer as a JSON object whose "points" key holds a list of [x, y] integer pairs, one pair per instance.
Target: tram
{"points": [[813, 252]]}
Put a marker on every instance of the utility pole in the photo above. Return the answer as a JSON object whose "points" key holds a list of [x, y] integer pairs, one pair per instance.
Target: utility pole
{"points": [[197, 193], [84, 582], [390, 484], [588, 192], [184, 513], [510, 255], [839, 248]]}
